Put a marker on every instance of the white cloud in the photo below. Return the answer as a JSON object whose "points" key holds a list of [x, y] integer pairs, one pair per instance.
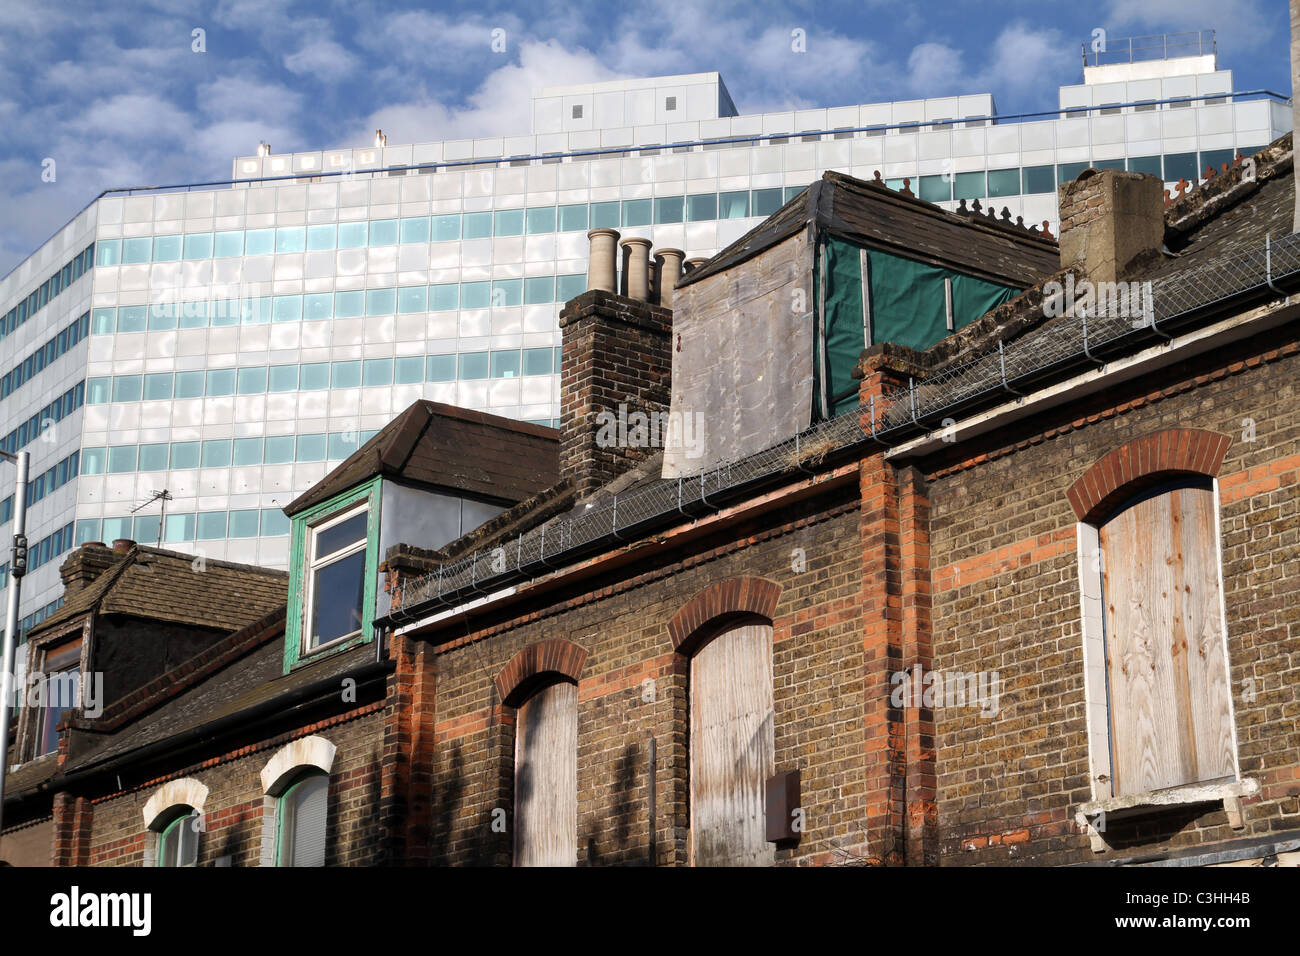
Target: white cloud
{"points": [[323, 59], [1240, 26]]}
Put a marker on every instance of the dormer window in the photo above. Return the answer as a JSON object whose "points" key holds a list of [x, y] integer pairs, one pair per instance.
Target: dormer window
{"points": [[335, 578]]}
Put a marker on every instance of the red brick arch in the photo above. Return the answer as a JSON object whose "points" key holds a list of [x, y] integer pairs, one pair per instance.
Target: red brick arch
{"points": [[528, 669], [1145, 461], [737, 597]]}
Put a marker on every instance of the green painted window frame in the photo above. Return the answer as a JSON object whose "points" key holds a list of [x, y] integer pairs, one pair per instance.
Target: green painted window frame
{"points": [[184, 816], [295, 652], [281, 803]]}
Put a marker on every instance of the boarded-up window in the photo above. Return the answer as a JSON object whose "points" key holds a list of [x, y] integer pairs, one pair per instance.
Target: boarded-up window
{"points": [[732, 747], [1167, 674], [546, 778]]}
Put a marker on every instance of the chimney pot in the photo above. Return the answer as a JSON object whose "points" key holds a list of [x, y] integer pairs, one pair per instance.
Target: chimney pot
{"points": [[600, 267], [670, 271], [636, 267], [123, 545]]}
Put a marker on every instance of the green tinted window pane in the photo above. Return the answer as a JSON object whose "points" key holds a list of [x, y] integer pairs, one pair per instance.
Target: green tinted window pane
{"points": [[321, 237], [121, 459], [539, 290], [117, 528], [409, 370], [444, 297], [894, 184], [166, 248], [792, 191], [446, 228], [767, 201], [92, 460], [412, 299], [187, 385], [259, 242], [127, 388], [352, 235], [734, 205], [193, 314], [1150, 165], [314, 376], [605, 215], [341, 445], [507, 292], [153, 457], [211, 525], [566, 287], [475, 295], [670, 209], [383, 232], [252, 381], [508, 222], [220, 381], [248, 451], [537, 361], [179, 528], [1107, 164], [1004, 182], [185, 454], [377, 372], [286, 308], [225, 312], [381, 301], [87, 530], [702, 208], [415, 230], [216, 454], [243, 524], [291, 239], [282, 378], [274, 522], [473, 365], [132, 318], [969, 186], [573, 217], [198, 245], [103, 320], [349, 305], [540, 220], [1067, 172], [934, 189], [99, 391], [137, 250], [476, 225], [146, 527], [505, 364], [227, 245], [162, 315], [311, 448], [1181, 166], [440, 368], [278, 450], [108, 252], [158, 385], [317, 306], [1038, 179], [637, 212], [1215, 158], [345, 375], [256, 311]]}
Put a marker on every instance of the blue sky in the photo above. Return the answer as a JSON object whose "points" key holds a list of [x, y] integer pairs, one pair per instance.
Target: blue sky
{"points": [[115, 95]]}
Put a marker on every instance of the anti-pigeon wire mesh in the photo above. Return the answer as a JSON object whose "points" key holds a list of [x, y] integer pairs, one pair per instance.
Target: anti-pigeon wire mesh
{"points": [[897, 414]]}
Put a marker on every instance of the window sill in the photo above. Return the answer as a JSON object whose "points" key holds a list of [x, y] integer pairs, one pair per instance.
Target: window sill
{"points": [[1229, 794]]}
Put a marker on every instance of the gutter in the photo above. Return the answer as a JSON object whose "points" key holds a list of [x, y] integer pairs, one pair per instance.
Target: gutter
{"points": [[296, 701]]}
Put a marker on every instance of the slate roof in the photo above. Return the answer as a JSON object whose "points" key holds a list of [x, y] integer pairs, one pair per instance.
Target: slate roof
{"points": [[449, 449], [873, 215], [162, 585]]}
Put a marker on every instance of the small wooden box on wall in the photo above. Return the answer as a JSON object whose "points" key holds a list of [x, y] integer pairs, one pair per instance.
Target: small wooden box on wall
{"points": [[784, 813]]}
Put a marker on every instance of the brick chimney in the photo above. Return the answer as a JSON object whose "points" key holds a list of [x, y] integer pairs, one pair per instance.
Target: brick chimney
{"points": [[617, 352], [87, 563], [1111, 222]]}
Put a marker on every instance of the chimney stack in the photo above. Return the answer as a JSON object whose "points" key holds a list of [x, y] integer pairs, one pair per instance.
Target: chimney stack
{"points": [[636, 268], [600, 267], [670, 271], [84, 565], [1111, 221]]}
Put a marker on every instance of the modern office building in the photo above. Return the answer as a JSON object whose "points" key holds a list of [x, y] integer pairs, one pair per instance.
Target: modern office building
{"points": [[229, 343]]}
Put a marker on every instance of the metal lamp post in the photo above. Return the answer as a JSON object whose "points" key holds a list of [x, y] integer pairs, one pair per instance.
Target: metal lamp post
{"points": [[17, 568]]}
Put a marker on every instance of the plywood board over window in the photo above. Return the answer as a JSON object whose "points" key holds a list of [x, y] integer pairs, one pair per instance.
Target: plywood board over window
{"points": [[1166, 666], [546, 778], [732, 747]]}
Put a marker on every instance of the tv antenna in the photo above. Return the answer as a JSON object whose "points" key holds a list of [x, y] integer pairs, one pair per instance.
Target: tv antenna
{"points": [[164, 496]]}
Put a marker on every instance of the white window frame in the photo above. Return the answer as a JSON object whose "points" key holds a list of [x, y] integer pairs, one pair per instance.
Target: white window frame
{"points": [[311, 565]]}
